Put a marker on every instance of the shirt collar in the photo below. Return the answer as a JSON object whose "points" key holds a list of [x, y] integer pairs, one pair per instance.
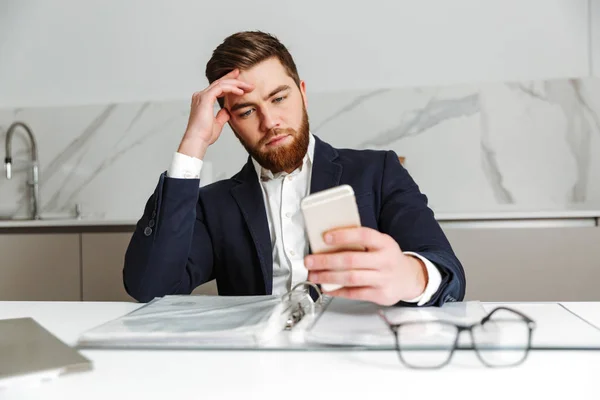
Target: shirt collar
{"points": [[265, 174]]}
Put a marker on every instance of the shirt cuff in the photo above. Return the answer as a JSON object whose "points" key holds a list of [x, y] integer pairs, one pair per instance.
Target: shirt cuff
{"points": [[185, 167], [434, 281]]}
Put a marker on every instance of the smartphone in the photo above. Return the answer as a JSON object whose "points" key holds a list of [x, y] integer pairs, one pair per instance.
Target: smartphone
{"points": [[326, 210]]}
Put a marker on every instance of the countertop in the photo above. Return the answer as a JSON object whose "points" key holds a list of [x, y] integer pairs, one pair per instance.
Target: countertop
{"points": [[500, 214], [66, 222]]}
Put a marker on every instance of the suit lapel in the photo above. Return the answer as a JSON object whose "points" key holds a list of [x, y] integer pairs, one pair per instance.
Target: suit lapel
{"points": [[249, 198], [326, 171]]}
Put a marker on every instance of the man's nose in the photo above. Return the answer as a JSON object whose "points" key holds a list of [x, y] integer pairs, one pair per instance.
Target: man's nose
{"points": [[269, 122]]}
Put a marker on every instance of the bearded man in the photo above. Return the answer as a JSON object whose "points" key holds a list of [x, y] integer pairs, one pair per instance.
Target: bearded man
{"points": [[247, 232]]}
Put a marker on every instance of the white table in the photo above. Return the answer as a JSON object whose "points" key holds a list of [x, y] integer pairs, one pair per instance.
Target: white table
{"points": [[589, 311], [281, 375]]}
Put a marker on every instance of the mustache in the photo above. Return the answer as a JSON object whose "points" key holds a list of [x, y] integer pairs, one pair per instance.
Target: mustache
{"points": [[276, 132]]}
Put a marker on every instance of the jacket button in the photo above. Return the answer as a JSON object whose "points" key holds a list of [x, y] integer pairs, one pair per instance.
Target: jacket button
{"points": [[151, 223], [148, 231]]}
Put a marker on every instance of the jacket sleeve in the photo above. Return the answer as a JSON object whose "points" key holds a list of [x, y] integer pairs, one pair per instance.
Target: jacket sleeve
{"points": [[406, 217], [170, 251]]}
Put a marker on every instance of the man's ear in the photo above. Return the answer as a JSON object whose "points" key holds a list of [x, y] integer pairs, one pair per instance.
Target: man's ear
{"points": [[303, 92]]}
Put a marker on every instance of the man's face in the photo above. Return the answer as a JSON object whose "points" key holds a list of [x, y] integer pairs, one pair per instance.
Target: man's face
{"points": [[271, 122]]}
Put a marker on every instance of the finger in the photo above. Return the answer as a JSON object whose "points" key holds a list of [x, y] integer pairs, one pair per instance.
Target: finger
{"points": [[342, 260], [223, 89], [347, 278], [358, 293], [248, 87], [366, 237], [230, 75], [222, 117], [230, 78]]}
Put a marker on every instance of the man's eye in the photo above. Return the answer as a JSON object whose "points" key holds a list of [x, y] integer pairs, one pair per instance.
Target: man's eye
{"points": [[247, 113], [279, 99]]}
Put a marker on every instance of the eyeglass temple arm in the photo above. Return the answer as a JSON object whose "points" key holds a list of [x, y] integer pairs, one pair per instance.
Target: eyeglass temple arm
{"points": [[487, 317], [390, 325]]}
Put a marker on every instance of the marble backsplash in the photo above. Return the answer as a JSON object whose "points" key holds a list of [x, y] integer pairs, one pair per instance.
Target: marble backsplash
{"points": [[473, 148]]}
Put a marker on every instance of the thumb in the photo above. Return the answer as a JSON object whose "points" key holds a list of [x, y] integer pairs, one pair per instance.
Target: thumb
{"points": [[222, 117]]}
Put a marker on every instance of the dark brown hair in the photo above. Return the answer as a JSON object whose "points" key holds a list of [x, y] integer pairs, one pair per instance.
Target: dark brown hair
{"points": [[244, 50]]}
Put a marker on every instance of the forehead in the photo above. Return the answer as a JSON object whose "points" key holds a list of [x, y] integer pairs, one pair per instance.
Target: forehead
{"points": [[268, 72]]}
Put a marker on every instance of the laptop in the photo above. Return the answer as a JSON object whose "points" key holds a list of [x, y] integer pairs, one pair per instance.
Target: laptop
{"points": [[29, 353]]}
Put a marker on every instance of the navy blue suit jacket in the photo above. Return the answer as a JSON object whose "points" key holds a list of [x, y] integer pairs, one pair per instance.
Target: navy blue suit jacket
{"points": [[190, 235]]}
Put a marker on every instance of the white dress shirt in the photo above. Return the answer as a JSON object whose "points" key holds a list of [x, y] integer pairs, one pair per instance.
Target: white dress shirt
{"points": [[282, 193]]}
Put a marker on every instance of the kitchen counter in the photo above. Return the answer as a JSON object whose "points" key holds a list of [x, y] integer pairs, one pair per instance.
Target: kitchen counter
{"points": [[517, 215], [579, 217], [66, 222]]}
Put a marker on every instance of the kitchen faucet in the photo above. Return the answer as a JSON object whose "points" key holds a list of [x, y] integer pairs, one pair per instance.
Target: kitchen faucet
{"points": [[33, 183]]}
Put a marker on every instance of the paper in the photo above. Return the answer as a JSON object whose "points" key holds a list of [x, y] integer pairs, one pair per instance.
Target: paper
{"points": [[203, 321], [355, 323]]}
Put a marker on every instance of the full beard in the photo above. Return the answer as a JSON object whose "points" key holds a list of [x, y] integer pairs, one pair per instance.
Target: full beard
{"points": [[286, 157]]}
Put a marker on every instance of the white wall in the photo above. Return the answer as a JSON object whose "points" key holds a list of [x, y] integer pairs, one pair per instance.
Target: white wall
{"points": [[69, 52], [595, 36]]}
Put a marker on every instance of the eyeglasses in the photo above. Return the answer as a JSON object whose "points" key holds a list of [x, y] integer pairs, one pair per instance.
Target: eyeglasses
{"points": [[501, 339]]}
